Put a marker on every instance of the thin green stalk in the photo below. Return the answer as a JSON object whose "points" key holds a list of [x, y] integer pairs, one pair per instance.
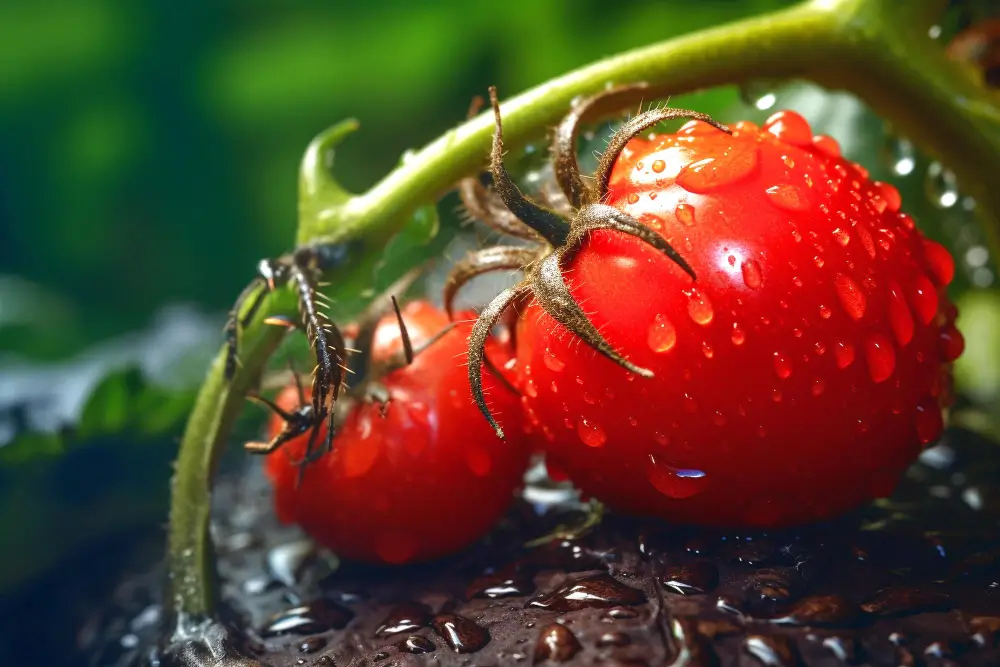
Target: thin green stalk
{"points": [[868, 47]]}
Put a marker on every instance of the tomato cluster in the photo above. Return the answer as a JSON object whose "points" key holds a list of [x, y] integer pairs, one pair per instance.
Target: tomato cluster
{"points": [[766, 341]]}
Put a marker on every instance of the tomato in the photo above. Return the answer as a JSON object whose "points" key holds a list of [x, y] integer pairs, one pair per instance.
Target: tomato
{"points": [[795, 378], [426, 479]]}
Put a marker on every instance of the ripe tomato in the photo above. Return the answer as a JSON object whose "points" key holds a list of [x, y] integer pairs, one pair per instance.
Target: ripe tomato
{"points": [[426, 479], [795, 379]]}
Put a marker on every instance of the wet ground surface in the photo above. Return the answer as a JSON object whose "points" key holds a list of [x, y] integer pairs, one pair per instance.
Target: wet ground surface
{"points": [[911, 581]]}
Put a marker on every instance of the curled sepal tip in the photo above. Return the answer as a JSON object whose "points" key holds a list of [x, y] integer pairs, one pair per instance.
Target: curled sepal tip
{"points": [[316, 182]]}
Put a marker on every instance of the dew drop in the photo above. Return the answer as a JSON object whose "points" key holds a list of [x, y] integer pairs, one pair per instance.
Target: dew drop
{"points": [[788, 197], [719, 419], [761, 432], [677, 483], [591, 434], [951, 342], [659, 166], [929, 421], [360, 457], [690, 405], [925, 299], [707, 350], [782, 366], [866, 240], [818, 387], [751, 273], [700, 308], [899, 315], [851, 297], [662, 439], [662, 336], [820, 348], [889, 194], [881, 357], [827, 145], [940, 260], [738, 336], [531, 389], [844, 354], [825, 312], [790, 127], [685, 213], [776, 395], [842, 236], [711, 173], [941, 186], [552, 362]]}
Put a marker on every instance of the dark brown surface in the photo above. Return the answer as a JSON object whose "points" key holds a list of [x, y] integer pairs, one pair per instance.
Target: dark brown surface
{"points": [[908, 582]]}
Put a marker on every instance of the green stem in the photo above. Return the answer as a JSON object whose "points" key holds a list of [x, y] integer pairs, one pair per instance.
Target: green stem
{"points": [[868, 47]]}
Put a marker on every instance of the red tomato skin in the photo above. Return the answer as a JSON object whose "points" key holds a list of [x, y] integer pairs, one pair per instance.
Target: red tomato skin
{"points": [[795, 380], [426, 480]]}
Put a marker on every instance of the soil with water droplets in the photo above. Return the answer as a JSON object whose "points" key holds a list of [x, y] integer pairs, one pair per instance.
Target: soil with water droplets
{"points": [[914, 580]]}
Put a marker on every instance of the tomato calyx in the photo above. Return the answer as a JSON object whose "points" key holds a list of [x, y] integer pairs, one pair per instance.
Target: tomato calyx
{"points": [[560, 232]]}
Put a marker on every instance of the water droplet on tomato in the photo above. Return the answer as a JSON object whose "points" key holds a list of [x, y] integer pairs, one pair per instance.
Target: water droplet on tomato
{"points": [[825, 312], [530, 389], [827, 145], [899, 315], [685, 213], [728, 167], [707, 350], [844, 353], [788, 197], [719, 419], [552, 362], [782, 366], [358, 458], [866, 240], [928, 420], [739, 336], [951, 342], [761, 432], [790, 127], [751, 273], [677, 483], [633, 198], [662, 336], [818, 387], [881, 357], [842, 236], [478, 460], [851, 297], [591, 434], [925, 299], [396, 547], [700, 308], [889, 194], [820, 348], [690, 405], [940, 260], [662, 439], [659, 166]]}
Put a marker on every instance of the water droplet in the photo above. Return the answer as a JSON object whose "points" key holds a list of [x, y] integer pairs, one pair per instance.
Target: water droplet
{"points": [[633, 198], [818, 387], [851, 297], [820, 348], [659, 166], [790, 127], [695, 578], [776, 395], [677, 483], [842, 236], [782, 366], [941, 186], [751, 273], [308, 619], [899, 315], [941, 262], [719, 419], [556, 643], [844, 353], [591, 434], [552, 362], [925, 299], [881, 357], [405, 617], [417, 645], [865, 237], [951, 343], [825, 312], [461, 634], [707, 350], [699, 307], [889, 194], [478, 460], [738, 336], [396, 547], [728, 167], [662, 439], [685, 213], [773, 651], [359, 456], [788, 197], [597, 591], [761, 432], [827, 144], [662, 336], [690, 405]]}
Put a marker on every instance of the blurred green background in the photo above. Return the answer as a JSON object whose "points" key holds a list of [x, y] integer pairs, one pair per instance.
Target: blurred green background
{"points": [[149, 154]]}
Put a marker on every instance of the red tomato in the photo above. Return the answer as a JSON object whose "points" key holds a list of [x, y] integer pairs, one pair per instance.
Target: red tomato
{"points": [[428, 478], [795, 379]]}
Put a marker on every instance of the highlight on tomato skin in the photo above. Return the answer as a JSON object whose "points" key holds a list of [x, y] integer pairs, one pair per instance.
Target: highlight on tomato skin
{"points": [[425, 480], [795, 379]]}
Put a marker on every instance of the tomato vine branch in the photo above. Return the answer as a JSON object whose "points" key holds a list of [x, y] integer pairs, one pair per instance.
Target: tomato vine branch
{"points": [[867, 47]]}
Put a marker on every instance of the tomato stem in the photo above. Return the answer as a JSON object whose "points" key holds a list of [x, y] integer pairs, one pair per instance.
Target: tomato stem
{"points": [[869, 47]]}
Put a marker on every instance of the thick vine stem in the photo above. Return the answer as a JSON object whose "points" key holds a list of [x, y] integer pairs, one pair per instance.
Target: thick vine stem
{"points": [[869, 47]]}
